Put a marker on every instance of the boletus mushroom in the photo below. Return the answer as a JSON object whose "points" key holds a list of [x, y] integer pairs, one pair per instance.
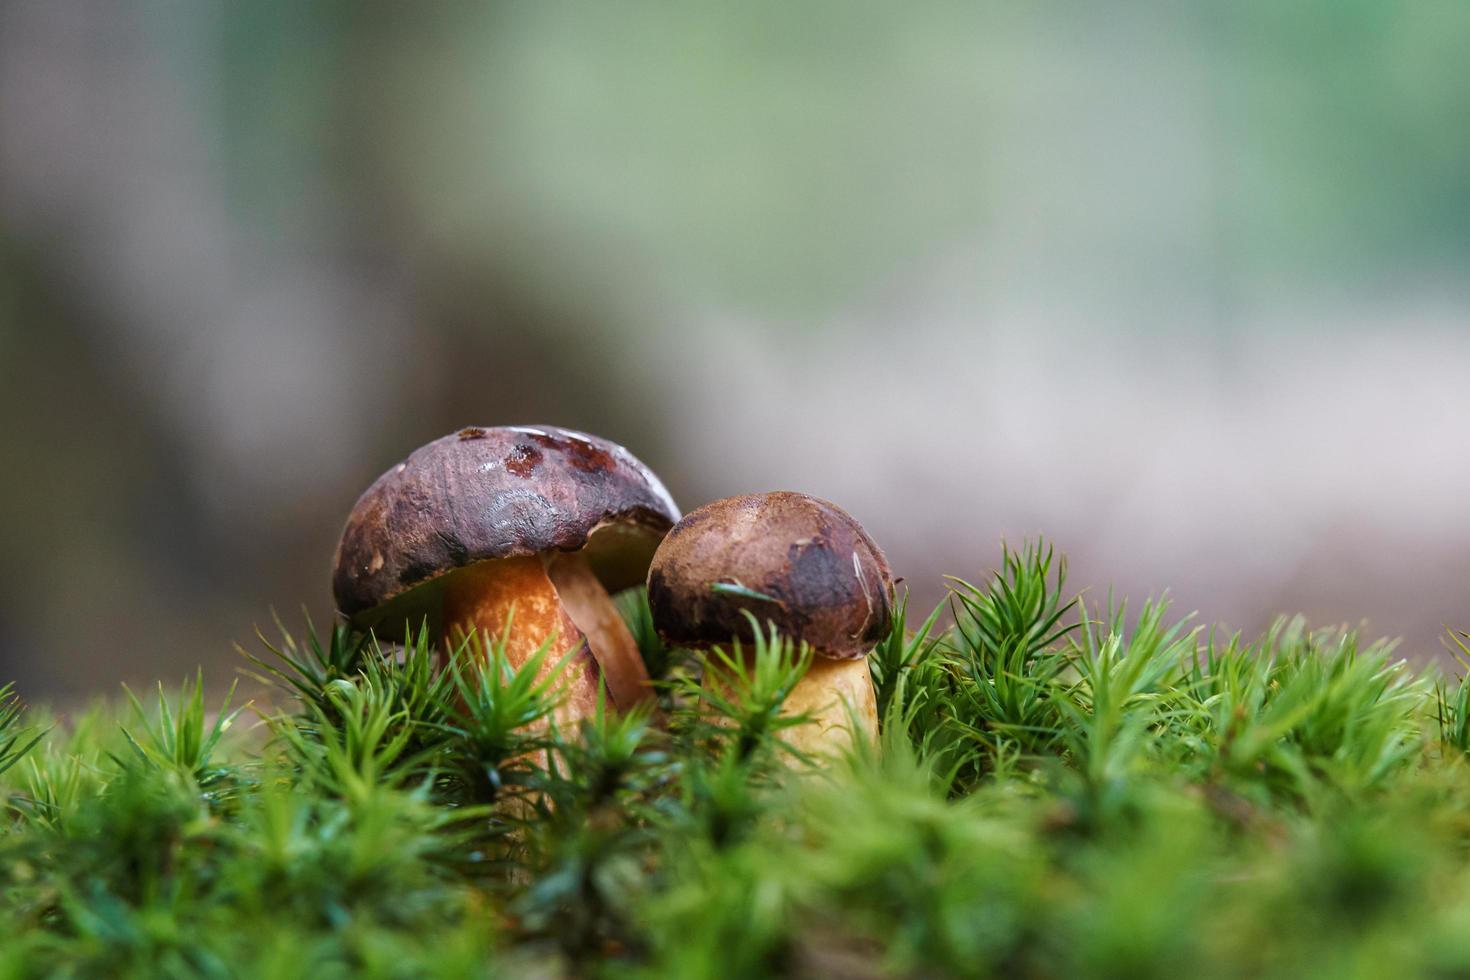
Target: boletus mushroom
{"points": [[526, 527], [795, 561]]}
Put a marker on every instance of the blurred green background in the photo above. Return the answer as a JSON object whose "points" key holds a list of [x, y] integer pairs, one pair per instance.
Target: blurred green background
{"points": [[1182, 286]]}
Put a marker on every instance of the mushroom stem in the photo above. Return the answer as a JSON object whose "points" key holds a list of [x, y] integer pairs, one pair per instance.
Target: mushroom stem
{"points": [[833, 694], [545, 595], [488, 595]]}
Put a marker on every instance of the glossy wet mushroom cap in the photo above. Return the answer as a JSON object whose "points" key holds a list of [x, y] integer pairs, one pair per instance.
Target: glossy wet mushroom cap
{"points": [[788, 558], [490, 493]]}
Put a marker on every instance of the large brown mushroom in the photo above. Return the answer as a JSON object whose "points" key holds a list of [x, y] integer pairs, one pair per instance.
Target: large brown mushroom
{"points": [[527, 526], [800, 563]]}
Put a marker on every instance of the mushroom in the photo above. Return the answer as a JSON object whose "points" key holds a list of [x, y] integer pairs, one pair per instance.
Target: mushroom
{"points": [[530, 527], [795, 561]]}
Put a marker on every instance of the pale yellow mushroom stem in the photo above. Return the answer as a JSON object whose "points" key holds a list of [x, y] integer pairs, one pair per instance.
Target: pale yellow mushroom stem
{"points": [[836, 694], [833, 694]]}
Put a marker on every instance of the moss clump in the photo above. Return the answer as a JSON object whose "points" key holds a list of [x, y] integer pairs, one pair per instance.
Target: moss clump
{"points": [[1060, 791]]}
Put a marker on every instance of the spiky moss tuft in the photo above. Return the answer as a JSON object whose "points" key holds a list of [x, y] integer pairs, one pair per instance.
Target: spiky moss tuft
{"points": [[1059, 790]]}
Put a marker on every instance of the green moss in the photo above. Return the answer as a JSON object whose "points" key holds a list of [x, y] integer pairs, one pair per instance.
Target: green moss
{"points": [[1060, 791]]}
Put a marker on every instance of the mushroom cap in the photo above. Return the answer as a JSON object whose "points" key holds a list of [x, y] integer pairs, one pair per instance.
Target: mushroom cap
{"points": [[487, 493], [788, 558]]}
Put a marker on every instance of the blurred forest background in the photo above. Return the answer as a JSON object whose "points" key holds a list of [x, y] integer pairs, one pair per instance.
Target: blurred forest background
{"points": [[1182, 286]]}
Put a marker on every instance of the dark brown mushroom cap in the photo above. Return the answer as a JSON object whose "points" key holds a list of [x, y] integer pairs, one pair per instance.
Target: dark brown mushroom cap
{"points": [[791, 559], [482, 494]]}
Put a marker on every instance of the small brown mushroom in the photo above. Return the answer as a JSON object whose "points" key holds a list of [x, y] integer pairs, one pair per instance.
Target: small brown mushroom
{"points": [[796, 561], [527, 526]]}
